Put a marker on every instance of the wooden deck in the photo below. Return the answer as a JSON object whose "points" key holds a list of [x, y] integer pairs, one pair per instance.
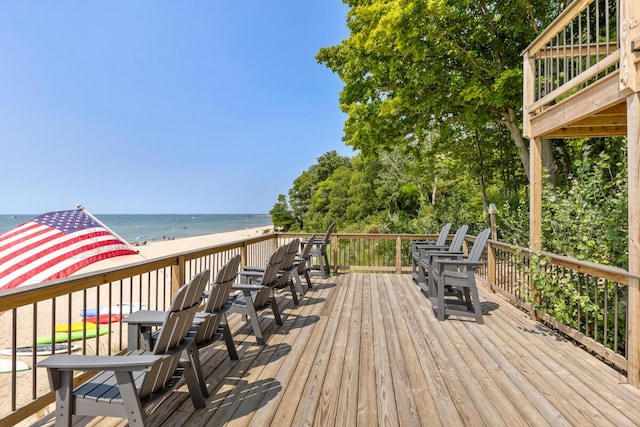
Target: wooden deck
{"points": [[366, 349]]}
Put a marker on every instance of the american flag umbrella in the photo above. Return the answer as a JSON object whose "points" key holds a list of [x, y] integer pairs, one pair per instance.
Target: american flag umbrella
{"points": [[55, 245]]}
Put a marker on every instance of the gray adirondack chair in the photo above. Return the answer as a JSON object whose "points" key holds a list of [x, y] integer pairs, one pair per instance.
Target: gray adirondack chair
{"points": [[125, 384], [303, 262], [426, 254], [208, 324], [212, 320], [319, 251], [416, 245], [288, 273], [454, 278], [259, 294]]}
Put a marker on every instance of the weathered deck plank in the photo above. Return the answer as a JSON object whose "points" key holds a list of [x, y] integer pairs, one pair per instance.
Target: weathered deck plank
{"points": [[367, 349]]}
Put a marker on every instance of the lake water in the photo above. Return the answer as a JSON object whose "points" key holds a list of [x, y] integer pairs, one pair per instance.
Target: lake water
{"points": [[154, 227]]}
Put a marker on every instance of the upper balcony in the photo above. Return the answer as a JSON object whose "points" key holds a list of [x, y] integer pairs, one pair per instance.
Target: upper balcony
{"points": [[579, 71]]}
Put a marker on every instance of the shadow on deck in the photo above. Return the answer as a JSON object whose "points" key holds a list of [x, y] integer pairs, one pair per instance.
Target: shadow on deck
{"points": [[366, 349]]}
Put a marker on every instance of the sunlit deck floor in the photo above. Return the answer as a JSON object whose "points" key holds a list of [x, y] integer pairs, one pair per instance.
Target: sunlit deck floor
{"points": [[366, 349]]}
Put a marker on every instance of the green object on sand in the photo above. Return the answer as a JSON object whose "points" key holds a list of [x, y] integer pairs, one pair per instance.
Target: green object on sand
{"points": [[75, 336]]}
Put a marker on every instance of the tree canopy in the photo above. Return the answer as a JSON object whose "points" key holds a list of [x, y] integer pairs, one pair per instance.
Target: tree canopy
{"points": [[433, 97]]}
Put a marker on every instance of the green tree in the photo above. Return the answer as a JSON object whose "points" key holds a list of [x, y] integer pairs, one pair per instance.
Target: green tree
{"points": [[281, 215], [410, 66]]}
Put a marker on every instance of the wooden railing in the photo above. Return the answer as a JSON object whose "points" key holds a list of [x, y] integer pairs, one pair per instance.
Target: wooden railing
{"points": [[508, 271], [46, 305]]}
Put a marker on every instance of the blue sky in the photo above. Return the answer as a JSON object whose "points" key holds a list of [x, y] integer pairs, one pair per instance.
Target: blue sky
{"points": [[164, 106]]}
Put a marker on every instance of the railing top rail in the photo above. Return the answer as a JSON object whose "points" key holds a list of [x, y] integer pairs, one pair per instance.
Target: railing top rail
{"points": [[571, 11], [600, 270], [21, 296]]}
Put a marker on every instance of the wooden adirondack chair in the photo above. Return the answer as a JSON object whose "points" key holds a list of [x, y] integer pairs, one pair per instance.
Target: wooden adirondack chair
{"points": [[319, 250], [455, 282], [303, 262], [288, 273], [208, 324], [416, 245], [426, 254], [212, 320], [259, 294], [125, 384]]}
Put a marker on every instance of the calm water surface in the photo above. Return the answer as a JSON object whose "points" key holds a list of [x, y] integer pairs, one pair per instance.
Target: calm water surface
{"points": [[134, 228]]}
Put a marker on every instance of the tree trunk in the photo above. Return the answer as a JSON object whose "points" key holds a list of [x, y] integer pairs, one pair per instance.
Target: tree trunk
{"points": [[511, 122], [548, 162], [523, 150]]}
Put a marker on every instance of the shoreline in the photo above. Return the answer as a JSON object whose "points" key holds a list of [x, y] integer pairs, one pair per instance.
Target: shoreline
{"points": [[161, 248]]}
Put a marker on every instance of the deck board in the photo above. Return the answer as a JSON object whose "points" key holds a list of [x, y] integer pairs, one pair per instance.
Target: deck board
{"points": [[365, 349]]}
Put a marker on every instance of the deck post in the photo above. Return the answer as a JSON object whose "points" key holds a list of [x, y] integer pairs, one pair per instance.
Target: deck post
{"points": [[334, 250], [491, 265], [535, 206], [398, 254], [177, 274], [629, 31], [244, 255], [633, 319]]}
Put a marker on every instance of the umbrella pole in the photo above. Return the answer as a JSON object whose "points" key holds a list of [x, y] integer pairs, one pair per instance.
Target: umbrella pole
{"points": [[110, 230]]}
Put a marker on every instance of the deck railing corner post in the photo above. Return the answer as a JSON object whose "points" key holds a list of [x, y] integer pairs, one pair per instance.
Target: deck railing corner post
{"points": [[491, 265], [398, 254], [177, 274]]}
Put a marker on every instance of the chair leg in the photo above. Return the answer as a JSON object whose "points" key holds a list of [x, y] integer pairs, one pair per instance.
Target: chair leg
{"points": [[276, 310], [64, 398], [327, 265], [322, 270], [297, 282], [308, 278], [228, 340], [476, 302], [294, 294], [129, 394], [440, 292], [253, 318], [194, 366], [195, 382]]}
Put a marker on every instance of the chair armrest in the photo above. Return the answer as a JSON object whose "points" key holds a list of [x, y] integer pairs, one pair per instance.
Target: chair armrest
{"points": [[422, 246], [459, 263], [146, 317], [73, 362], [252, 273], [246, 287], [250, 268], [445, 254]]}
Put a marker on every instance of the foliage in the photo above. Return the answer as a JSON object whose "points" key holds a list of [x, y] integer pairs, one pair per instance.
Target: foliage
{"points": [[412, 66], [577, 300], [281, 215], [586, 219]]}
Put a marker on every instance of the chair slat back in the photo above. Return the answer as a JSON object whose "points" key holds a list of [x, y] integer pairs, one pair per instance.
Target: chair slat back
{"points": [[306, 254], [178, 319], [327, 235], [269, 278], [478, 245], [288, 263], [220, 288], [173, 331], [458, 238], [444, 233]]}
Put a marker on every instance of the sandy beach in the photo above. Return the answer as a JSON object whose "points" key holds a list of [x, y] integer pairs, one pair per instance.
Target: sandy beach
{"points": [[25, 328]]}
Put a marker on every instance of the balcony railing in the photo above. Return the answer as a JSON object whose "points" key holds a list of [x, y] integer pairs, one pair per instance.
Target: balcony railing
{"points": [[514, 272], [580, 48]]}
